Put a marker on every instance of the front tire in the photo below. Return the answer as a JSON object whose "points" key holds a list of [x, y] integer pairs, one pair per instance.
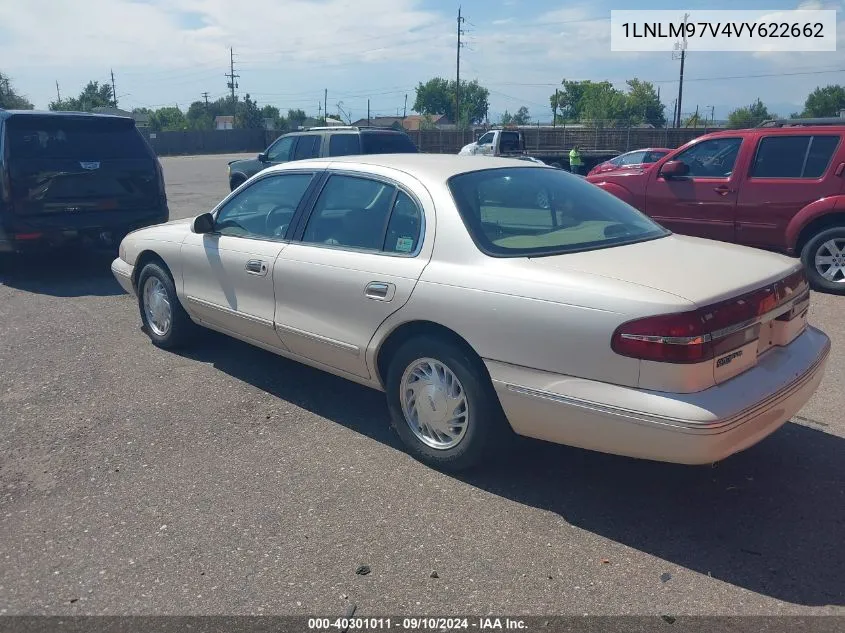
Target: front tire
{"points": [[443, 406], [165, 320], [823, 257]]}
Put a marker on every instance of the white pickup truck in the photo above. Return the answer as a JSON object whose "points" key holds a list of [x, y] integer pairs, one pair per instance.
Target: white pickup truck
{"points": [[511, 143]]}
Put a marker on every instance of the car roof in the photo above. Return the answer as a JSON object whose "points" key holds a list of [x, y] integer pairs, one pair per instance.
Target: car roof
{"points": [[438, 167], [797, 130], [7, 114]]}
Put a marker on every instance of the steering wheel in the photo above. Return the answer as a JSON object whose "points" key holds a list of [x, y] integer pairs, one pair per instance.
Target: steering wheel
{"points": [[272, 226]]}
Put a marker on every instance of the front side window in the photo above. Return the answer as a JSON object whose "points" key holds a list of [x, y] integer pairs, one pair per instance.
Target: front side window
{"points": [[307, 147], [486, 139], [344, 145], [280, 151], [265, 209], [714, 158], [793, 156], [531, 211]]}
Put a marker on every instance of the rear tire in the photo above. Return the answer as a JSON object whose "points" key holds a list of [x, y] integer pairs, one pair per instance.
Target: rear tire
{"points": [[165, 320], [451, 385], [823, 257]]}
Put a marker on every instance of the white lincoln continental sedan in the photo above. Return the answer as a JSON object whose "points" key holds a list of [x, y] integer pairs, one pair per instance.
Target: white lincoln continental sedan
{"points": [[488, 297]]}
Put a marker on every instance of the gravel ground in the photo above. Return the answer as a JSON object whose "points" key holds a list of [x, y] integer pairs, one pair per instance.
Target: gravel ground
{"points": [[226, 480]]}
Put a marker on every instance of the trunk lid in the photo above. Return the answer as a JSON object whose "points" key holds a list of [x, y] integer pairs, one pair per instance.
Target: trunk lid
{"points": [[698, 270]]}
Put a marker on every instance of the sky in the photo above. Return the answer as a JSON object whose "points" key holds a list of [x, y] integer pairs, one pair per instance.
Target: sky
{"points": [[287, 52]]}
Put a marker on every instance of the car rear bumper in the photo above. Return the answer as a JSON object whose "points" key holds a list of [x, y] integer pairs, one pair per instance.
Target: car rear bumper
{"points": [[105, 229], [123, 273], [694, 428]]}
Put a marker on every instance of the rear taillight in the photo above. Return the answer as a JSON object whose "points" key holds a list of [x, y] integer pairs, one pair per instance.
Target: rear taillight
{"points": [[700, 335]]}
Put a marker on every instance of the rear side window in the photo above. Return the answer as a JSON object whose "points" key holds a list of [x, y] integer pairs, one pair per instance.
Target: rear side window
{"points": [[63, 137], [793, 156], [307, 147], [344, 145], [387, 143]]}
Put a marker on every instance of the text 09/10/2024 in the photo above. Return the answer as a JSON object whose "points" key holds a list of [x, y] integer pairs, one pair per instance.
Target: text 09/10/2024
{"points": [[697, 30]]}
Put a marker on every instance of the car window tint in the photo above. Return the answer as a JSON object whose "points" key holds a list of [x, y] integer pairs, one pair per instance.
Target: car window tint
{"points": [[403, 230], [653, 157], [307, 147], [486, 139], [344, 145], [84, 138], [780, 157], [527, 211], [821, 151], [509, 142], [634, 158], [387, 143], [714, 158], [351, 211], [280, 151], [265, 208]]}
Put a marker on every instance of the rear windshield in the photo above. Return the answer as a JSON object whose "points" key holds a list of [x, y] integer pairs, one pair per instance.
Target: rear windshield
{"points": [[387, 143], [527, 211], [74, 138]]}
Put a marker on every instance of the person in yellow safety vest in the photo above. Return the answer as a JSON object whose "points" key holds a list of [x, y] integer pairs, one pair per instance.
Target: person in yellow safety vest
{"points": [[575, 163]]}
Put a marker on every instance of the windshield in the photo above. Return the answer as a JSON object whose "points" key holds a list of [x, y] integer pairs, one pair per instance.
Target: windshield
{"points": [[526, 211], [82, 138]]}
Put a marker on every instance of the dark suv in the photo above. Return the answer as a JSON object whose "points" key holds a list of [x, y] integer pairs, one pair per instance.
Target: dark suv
{"points": [[75, 177], [317, 142]]}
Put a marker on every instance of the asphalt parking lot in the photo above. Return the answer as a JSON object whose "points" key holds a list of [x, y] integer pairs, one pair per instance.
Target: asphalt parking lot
{"points": [[226, 480]]}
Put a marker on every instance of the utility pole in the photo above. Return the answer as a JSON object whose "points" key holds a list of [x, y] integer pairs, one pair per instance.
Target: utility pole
{"points": [[232, 84], [683, 48], [205, 96], [405, 111], [325, 106], [458, 75], [368, 112], [58, 93], [675, 113], [113, 89], [554, 109]]}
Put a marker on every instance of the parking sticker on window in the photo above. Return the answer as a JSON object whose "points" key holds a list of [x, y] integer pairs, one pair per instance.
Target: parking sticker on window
{"points": [[404, 245]]}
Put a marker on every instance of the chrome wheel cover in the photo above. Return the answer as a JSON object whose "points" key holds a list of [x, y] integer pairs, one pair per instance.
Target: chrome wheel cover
{"points": [[830, 260], [434, 403], [157, 306]]}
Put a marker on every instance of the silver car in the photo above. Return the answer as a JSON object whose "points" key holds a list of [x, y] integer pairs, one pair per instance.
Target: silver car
{"points": [[488, 297]]}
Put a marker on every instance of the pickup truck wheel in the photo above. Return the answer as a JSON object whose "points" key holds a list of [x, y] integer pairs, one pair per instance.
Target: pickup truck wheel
{"points": [[823, 257], [443, 406], [165, 320]]}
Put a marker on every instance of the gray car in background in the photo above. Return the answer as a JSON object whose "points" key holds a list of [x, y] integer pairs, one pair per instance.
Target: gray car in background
{"points": [[320, 142]]}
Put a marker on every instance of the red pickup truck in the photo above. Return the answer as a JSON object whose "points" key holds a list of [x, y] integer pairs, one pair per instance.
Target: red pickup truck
{"points": [[780, 186]]}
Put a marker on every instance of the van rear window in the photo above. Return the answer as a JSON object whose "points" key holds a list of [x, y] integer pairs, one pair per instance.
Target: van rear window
{"points": [[63, 137], [387, 143]]}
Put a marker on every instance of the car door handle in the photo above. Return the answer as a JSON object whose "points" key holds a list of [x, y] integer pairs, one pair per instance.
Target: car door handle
{"points": [[380, 291], [256, 267], [722, 190]]}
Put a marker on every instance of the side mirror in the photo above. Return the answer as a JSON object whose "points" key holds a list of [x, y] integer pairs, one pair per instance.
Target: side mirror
{"points": [[674, 169], [203, 223], [263, 157]]}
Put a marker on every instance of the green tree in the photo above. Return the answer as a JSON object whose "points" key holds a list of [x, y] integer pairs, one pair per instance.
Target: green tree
{"points": [[569, 101], [694, 120], [9, 99], [249, 115], [438, 96], [94, 95], [602, 104], [749, 116], [296, 118], [168, 119], [272, 113], [643, 104], [824, 102]]}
